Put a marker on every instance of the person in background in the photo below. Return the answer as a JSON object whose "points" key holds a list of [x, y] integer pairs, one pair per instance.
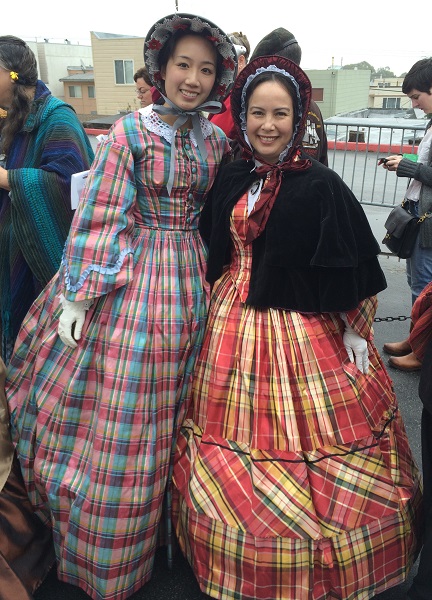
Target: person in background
{"points": [[143, 87], [42, 143], [224, 119], [101, 372], [417, 85], [293, 476], [420, 340], [282, 42]]}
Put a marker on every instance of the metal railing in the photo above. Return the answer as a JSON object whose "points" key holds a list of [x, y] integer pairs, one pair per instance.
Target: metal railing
{"points": [[355, 145]]}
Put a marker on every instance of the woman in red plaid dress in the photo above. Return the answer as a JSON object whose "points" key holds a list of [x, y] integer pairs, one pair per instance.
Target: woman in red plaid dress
{"points": [[293, 477]]}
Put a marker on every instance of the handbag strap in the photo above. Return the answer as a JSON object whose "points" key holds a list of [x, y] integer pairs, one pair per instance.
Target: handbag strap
{"points": [[426, 215]]}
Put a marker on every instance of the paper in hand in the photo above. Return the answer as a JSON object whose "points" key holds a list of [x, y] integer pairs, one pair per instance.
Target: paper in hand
{"points": [[77, 184]]}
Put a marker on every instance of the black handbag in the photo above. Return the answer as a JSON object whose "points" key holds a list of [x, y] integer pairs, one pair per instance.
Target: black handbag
{"points": [[402, 231]]}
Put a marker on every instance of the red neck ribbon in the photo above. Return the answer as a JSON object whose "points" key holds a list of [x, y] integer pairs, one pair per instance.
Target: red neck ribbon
{"points": [[270, 190]]}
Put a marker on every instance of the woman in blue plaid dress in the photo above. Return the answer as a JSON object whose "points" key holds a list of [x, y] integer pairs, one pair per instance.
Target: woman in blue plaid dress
{"points": [[102, 367]]}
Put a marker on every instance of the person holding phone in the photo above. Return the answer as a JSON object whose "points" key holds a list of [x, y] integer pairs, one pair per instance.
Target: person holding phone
{"points": [[417, 85]]}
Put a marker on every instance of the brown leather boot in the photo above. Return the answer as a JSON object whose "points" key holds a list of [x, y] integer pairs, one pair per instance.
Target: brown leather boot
{"points": [[410, 362], [398, 348]]}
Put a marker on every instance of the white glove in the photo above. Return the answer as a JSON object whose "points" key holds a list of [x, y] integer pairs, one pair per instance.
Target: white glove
{"points": [[356, 346], [73, 315]]}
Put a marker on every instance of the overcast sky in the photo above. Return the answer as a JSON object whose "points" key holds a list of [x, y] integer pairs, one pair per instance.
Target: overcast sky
{"points": [[345, 32]]}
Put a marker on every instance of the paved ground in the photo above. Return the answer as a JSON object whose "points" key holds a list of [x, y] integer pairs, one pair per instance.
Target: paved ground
{"points": [[180, 584]]}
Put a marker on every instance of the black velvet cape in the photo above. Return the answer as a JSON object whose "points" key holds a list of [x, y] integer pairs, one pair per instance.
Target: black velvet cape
{"points": [[317, 252]]}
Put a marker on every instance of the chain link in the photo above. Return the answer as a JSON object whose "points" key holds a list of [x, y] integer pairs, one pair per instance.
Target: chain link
{"points": [[389, 319]]}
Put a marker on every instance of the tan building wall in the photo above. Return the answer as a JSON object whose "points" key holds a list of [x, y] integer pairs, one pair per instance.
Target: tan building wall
{"points": [[341, 90], [85, 105], [387, 93], [111, 97]]}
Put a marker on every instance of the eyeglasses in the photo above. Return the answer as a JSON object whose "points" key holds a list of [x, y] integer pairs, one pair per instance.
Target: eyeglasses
{"points": [[141, 91]]}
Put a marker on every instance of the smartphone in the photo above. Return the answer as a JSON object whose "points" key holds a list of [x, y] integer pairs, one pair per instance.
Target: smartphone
{"points": [[382, 161]]}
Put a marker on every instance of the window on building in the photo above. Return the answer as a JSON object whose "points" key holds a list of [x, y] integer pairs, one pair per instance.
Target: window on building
{"points": [[124, 71], [318, 94], [391, 103], [91, 91], [75, 91]]}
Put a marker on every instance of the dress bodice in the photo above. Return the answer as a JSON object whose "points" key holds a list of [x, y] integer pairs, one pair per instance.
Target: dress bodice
{"points": [[126, 193], [241, 255]]}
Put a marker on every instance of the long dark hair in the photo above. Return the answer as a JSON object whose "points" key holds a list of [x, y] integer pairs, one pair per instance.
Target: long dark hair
{"points": [[16, 56]]}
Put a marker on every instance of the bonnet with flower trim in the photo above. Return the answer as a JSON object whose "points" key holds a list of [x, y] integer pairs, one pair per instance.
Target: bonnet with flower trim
{"points": [[156, 38], [163, 29]]}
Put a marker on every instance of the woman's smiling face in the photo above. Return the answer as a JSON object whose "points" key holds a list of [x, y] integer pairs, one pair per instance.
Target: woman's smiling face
{"points": [[190, 72], [270, 120]]}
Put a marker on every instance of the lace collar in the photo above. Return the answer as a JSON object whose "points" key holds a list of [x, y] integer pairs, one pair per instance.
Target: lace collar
{"points": [[154, 123]]}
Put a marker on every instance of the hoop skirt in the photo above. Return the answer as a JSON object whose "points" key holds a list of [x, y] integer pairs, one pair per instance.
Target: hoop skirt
{"points": [[293, 477]]}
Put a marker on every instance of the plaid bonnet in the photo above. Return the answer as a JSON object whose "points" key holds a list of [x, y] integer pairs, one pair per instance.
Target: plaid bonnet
{"points": [[163, 29]]}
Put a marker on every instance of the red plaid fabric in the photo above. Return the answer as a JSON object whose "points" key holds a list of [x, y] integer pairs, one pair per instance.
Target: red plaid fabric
{"points": [[361, 318], [293, 476], [421, 316]]}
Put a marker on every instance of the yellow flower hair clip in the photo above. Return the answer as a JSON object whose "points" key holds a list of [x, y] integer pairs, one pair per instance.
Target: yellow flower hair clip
{"points": [[3, 113], [14, 75]]}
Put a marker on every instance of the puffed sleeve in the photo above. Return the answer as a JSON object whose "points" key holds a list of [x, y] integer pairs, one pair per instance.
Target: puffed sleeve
{"points": [[99, 255]]}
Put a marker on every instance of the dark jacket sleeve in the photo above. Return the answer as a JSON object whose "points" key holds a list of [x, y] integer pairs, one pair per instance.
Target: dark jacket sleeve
{"points": [[418, 171]]}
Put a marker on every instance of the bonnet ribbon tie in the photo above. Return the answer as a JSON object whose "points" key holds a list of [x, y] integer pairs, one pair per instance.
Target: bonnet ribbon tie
{"points": [[272, 174], [182, 116]]}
